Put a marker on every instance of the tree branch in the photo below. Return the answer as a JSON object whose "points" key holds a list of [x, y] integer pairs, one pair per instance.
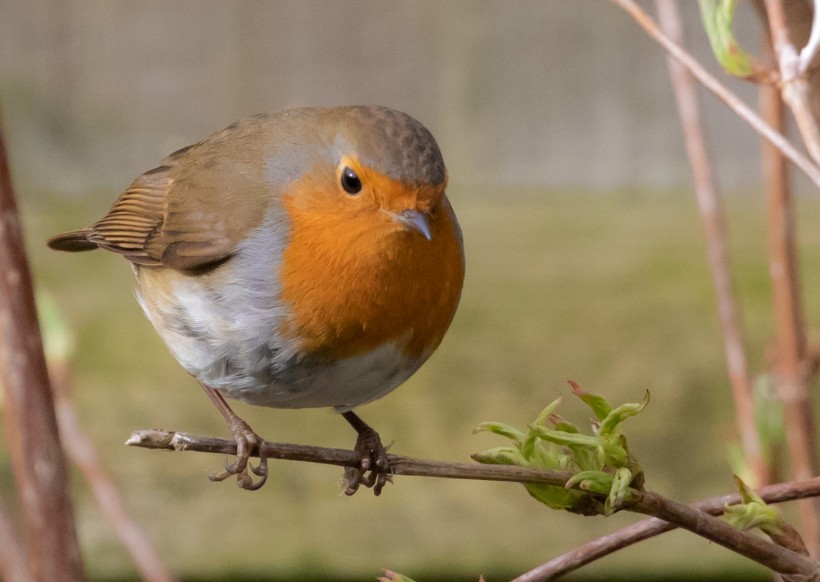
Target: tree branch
{"points": [[806, 165], [632, 534], [40, 470], [762, 551], [180, 441]]}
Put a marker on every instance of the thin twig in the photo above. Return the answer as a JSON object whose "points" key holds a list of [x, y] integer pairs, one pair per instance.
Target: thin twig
{"points": [[806, 165], [794, 86], [712, 216], [40, 468], [809, 52], [762, 551], [774, 557], [642, 530], [180, 441]]}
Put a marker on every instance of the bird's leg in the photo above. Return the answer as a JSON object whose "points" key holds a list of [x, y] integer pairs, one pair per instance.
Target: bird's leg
{"points": [[246, 440], [374, 467]]}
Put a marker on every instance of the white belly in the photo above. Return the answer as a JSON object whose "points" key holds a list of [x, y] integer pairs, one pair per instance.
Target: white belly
{"points": [[344, 384], [228, 340]]}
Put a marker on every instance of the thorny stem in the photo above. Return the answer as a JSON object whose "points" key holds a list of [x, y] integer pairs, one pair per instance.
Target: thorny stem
{"points": [[764, 552]]}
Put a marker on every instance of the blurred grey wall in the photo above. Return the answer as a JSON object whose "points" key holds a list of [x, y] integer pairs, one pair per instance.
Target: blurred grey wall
{"points": [[518, 92]]}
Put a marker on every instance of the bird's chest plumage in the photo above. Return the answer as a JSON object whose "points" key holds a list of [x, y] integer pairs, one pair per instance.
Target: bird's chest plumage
{"points": [[288, 324]]}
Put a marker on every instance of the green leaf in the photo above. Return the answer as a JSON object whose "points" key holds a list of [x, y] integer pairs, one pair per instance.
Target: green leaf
{"points": [[599, 405], [554, 496], [619, 493], [594, 481], [548, 411], [500, 428], [753, 512], [612, 454], [564, 438], [718, 21], [561, 424], [610, 424], [746, 492], [501, 456]]}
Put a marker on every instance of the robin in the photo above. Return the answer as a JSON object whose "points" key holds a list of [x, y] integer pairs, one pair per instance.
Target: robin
{"points": [[306, 258]]}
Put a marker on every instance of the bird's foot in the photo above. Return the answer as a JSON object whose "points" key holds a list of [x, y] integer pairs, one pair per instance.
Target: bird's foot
{"points": [[247, 442], [374, 469]]}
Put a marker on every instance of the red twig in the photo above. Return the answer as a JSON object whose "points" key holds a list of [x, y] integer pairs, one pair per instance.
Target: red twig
{"points": [[791, 369], [712, 216], [30, 425], [12, 555]]}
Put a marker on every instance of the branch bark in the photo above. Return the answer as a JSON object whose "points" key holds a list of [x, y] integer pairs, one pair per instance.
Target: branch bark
{"points": [[13, 566], [652, 527], [806, 165], [180, 441], [790, 365], [39, 466], [764, 552], [778, 559]]}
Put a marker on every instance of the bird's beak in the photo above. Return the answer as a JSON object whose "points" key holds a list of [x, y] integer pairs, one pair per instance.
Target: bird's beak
{"points": [[415, 219]]}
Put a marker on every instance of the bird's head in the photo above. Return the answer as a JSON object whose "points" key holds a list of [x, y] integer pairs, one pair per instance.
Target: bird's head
{"points": [[375, 170]]}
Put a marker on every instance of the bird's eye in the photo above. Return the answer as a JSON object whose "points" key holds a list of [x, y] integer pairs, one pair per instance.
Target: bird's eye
{"points": [[350, 181]]}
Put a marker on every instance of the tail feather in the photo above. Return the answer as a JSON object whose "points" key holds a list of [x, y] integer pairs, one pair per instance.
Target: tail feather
{"points": [[74, 241]]}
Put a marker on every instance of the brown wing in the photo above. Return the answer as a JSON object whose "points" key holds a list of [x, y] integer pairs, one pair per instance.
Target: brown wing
{"points": [[136, 215], [182, 214]]}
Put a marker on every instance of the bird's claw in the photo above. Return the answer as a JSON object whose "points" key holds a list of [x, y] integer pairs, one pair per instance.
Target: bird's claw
{"points": [[374, 470], [246, 442]]}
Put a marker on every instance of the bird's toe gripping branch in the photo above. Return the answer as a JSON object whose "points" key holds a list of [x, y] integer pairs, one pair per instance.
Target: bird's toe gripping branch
{"points": [[247, 443]]}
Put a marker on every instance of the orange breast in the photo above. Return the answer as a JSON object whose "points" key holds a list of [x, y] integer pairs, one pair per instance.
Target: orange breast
{"points": [[354, 278]]}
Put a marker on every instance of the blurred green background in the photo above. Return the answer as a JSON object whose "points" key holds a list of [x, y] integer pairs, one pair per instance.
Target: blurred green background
{"points": [[585, 258]]}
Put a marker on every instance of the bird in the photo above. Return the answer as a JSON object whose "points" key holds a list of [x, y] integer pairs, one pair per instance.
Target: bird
{"points": [[305, 258]]}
